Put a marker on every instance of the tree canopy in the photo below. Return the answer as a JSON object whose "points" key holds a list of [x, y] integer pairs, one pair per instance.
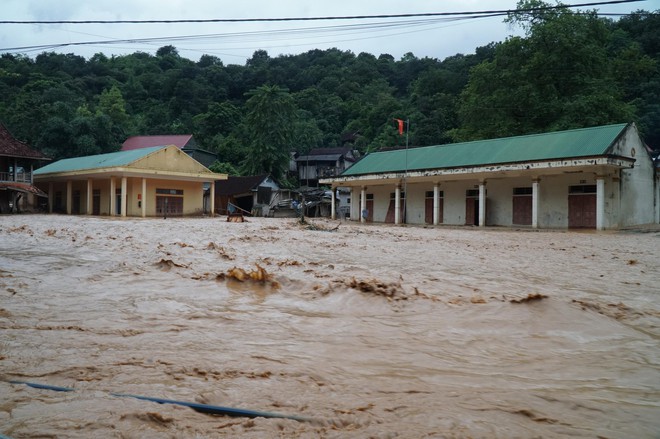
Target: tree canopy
{"points": [[569, 69]]}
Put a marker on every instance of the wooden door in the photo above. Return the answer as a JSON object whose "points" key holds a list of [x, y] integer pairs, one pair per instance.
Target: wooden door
{"points": [[522, 210], [96, 204], [389, 218], [428, 210], [370, 210], [582, 211], [472, 211]]}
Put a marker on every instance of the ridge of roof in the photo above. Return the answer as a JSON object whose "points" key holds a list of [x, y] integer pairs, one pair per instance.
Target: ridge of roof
{"points": [[136, 142], [580, 142]]}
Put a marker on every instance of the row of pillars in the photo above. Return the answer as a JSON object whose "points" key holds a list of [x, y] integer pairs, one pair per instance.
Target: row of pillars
{"points": [[113, 199], [600, 203], [90, 193]]}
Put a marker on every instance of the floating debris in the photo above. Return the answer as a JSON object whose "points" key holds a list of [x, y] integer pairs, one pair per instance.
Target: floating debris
{"points": [[530, 298], [167, 264], [259, 275], [392, 290]]}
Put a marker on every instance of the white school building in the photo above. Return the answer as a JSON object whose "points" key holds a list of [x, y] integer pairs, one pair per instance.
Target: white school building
{"points": [[599, 178]]}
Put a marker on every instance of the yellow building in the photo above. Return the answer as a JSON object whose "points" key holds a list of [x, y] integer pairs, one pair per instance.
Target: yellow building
{"points": [[155, 181]]}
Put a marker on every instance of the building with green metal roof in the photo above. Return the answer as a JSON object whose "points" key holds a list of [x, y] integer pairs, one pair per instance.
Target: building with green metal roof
{"points": [[153, 181], [600, 177]]}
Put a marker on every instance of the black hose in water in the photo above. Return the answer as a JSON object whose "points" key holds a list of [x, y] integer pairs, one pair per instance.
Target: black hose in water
{"points": [[202, 408]]}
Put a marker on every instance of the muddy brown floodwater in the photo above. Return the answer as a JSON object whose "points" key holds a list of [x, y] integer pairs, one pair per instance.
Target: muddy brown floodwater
{"points": [[371, 330]]}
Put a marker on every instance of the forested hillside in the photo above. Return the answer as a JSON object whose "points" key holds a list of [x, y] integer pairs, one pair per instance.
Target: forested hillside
{"points": [[568, 70]]}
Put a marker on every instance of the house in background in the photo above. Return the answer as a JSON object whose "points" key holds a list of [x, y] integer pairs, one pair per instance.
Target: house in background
{"points": [[258, 195], [185, 142], [155, 181], [323, 163], [17, 163], [595, 178]]}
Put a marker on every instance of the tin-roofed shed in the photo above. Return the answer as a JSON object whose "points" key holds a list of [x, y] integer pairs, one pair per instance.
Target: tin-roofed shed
{"points": [[600, 177], [152, 181]]}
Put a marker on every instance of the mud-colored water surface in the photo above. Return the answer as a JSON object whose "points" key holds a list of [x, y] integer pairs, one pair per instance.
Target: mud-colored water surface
{"points": [[370, 330]]}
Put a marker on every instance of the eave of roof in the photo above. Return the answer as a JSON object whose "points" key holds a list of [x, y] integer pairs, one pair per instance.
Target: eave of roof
{"points": [[569, 165]]}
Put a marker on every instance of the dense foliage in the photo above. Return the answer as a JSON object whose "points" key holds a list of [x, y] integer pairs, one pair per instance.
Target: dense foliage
{"points": [[568, 70]]}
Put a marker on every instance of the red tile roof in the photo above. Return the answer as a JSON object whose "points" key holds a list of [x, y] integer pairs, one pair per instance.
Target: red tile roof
{"points": [[22, 187], [137, 142], [11, 147]]}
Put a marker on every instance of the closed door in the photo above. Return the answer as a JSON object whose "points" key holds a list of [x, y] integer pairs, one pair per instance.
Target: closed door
{"points": [[169, 206], [472, 211], [428, 210], [389, 218], [522, 210], [582, 211]]}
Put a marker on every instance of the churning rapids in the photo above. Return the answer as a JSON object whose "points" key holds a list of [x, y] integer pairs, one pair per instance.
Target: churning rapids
{"points": [[370, 330]]}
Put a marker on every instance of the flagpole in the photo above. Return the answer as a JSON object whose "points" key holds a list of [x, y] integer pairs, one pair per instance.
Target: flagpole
{"points": [[405, 175]]}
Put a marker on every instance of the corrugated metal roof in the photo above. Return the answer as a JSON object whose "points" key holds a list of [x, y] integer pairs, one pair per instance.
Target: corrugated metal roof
{"points": [[113, 159], [583, 142], [239, 185], [319, 158]]}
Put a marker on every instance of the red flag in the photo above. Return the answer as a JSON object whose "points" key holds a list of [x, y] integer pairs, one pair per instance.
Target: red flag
{"points": [[400, 122]]}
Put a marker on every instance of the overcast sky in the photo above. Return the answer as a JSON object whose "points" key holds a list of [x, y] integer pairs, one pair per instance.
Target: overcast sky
{"points": [[235, 42]]}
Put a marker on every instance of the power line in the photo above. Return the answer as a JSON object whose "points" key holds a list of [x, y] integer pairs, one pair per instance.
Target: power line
{"points": [[348, 17], [294, 33]]}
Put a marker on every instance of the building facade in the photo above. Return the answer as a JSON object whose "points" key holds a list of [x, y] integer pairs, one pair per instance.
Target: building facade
{"points": [[17, 163], [147, 182], [594, 178]]}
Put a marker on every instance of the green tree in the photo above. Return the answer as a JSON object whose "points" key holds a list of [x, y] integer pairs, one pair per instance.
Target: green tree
{"points": [[269, 120], [561, 75], [112, 104], [223, 168]]}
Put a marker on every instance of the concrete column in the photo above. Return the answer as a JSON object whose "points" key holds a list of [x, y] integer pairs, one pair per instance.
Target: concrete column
{"points": [[143, 195], [397, 205], [124, 189], [482, 204], [51, 195], [333, 207], [354, 204], [600, 202], [212, 200], [436, 204], [657, 199], [363, 203], [535, 204], [113, 196], [90, 191], [69, 197]]}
